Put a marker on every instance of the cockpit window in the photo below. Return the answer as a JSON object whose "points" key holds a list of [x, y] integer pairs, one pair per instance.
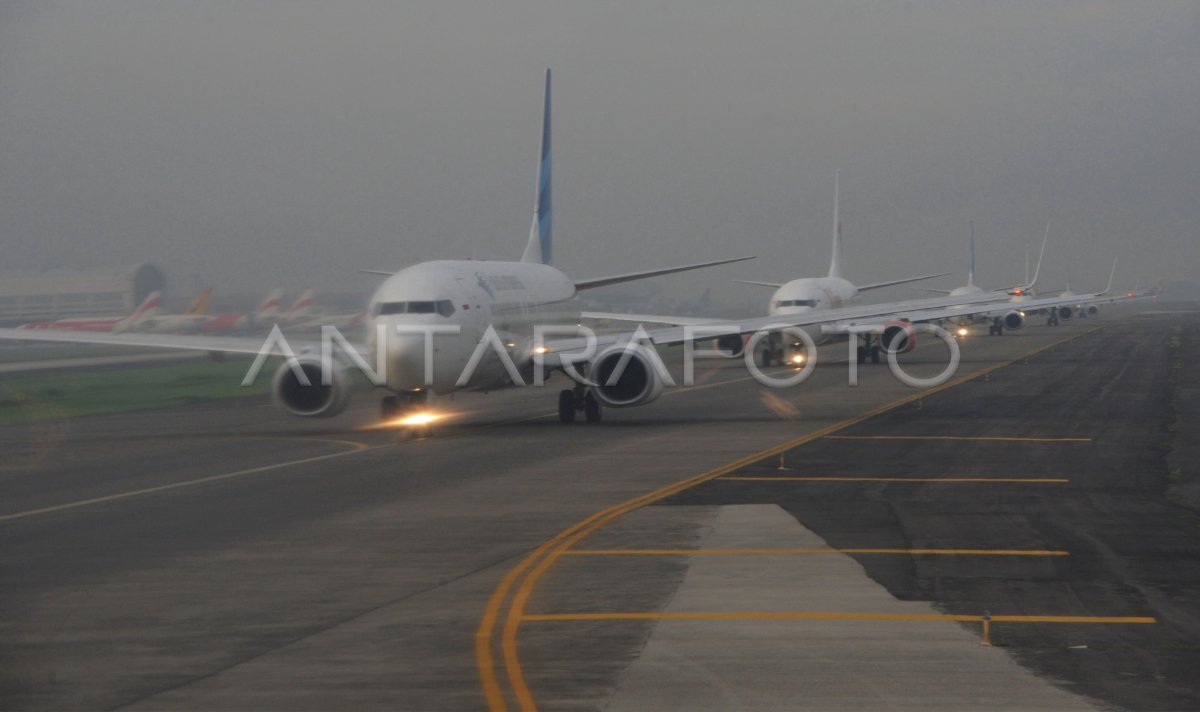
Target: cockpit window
{"points": [[442, 307], [796, 303]]}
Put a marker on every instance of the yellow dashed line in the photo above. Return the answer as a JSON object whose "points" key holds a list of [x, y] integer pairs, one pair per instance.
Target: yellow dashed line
{"points": [[997, 438]]}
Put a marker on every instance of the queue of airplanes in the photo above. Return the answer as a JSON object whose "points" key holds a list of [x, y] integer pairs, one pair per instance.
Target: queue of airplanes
{"points": [[148, 317], [443, 310]]}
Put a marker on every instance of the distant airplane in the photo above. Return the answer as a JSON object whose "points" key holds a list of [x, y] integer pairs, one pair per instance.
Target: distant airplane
{"points": [[1012, 317], [148, 308]]}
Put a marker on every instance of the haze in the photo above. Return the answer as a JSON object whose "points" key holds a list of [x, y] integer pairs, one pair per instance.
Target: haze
{"points": [[252, 144]]}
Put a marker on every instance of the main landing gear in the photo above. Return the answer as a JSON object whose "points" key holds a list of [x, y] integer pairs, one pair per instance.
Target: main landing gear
{"points": [[869, 349], [996, 328], [575, 400]]}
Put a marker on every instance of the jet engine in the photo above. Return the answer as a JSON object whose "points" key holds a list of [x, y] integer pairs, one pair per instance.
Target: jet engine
{"points": [[1092, 310], [732, 344], [1014, 320], [316, 400], [1065, 313], [898, 337], [637, 384]]}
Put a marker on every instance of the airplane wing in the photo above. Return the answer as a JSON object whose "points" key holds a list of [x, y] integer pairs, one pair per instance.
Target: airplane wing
{"points": [[930, 289], [214, 344], [582, 284], [758, 284], [649, 318], [894, 282]]}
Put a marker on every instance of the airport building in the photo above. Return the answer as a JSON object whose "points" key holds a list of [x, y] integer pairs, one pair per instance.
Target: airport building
{"points": [[58, 293]]}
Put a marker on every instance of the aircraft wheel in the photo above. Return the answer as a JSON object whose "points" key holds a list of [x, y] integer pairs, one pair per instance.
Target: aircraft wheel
{"points": [[591, 408], [389, 407], [862, 354], [566, 406], [766, 358], [874, 354]]}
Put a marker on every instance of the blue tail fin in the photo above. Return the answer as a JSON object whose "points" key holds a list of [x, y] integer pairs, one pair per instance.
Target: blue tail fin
{"points": [[539, 248]]}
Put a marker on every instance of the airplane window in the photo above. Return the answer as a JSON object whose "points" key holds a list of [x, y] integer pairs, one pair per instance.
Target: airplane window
{"points": [[796, 303], [442, 307], [390, 308]]}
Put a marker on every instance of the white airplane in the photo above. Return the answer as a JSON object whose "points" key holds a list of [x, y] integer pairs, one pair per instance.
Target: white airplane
{"points": [[502, 304], [799, 296], [1012, 317]]}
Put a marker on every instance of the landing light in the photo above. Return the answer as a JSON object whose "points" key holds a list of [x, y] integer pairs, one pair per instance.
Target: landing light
{"points": [[798, 359], [418, 419], [963, 331], [541, 350]]}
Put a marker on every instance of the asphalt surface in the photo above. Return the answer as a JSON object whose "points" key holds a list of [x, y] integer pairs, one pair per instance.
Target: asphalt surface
{"points": [[223, 556]]}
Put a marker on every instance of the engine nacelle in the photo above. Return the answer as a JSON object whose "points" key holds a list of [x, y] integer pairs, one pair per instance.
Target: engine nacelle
{"points": [[1014, 320], [1065, 313], [637, 384], [1092, 310], [732, 344], [315, 400], [898, 337]]}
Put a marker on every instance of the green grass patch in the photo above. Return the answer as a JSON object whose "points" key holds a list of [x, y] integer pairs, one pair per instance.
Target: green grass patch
{"points": [[70, 394]]}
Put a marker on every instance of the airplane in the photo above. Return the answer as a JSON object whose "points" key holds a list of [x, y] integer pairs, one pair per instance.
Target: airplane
{"points": [[503, 303], [797, 296], [1013, 317], [190, 321], [148, 308]]}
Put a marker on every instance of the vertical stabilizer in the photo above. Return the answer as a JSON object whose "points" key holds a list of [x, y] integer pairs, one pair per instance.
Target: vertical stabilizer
{"points": [[971, 271], [200, 304], [539, 248], [835, 261]]}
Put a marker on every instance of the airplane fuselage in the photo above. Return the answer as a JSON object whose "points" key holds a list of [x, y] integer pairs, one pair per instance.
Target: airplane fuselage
{"points": [[511, 297], [800, 296]]}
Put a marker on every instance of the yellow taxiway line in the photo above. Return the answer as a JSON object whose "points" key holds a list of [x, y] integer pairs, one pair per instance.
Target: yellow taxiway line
{"points": [[826, 616], [521, 580], [805, 552]]}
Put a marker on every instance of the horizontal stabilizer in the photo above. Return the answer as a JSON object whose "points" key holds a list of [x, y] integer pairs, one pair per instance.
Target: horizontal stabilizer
{"points": [[634, 276]]}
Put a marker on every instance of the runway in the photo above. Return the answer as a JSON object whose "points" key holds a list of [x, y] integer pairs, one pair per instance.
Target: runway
{"points": [[223, 555]]}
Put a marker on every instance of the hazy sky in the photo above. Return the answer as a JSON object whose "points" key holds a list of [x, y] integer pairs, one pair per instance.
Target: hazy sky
{"points": [[252, 143]]}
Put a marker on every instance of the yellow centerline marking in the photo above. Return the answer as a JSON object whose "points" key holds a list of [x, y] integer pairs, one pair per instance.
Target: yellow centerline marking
{"points": [[956, 480], [802, 552], [538, 561], [357, 448], [826, 616], [998, 438]]}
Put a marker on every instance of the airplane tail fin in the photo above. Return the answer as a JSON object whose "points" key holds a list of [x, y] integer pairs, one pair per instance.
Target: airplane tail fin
{"points": [[1028, 286], [201, 303], [269, 308], [148, 308], [302, 306], [835, 260], [971, 271], [539, 249]]}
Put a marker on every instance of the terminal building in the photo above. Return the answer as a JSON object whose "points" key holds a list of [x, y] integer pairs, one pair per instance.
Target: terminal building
{"points": [[59, 293]]}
